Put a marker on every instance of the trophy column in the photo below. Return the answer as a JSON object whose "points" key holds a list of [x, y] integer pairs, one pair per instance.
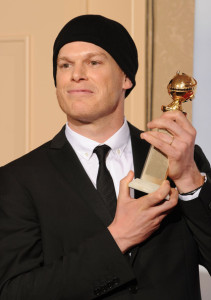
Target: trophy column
{"points": [[182, 89]]}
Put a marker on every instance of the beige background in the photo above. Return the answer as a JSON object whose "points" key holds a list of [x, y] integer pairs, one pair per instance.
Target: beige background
{"points": [[170, 43], [29, 113]]}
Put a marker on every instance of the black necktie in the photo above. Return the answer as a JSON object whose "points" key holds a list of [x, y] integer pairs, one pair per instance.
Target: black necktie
{"points": [[105, 184]]}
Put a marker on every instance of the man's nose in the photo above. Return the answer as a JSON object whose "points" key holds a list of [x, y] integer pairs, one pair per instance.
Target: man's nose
{"points": [[79, 72]]}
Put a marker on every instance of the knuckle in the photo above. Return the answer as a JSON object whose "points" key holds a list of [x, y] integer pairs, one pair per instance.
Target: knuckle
{"points": [[147, 201], [194, 132], [156, 198], [157, 222], [159, 143], [157, 225], [174, 201], [153, 216], [179, 153], [188, 142], [168, 123], [160, 195], [123, 181], [184, 146]]}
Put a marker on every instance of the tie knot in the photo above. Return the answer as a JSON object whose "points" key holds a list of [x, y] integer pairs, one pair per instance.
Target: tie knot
{"points": [[101, 152]]}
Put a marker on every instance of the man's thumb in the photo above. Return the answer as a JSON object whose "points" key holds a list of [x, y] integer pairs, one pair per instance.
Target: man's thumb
{"points": [[124, 190]]}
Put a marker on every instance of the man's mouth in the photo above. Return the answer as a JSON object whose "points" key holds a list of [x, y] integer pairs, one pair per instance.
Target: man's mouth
{"points": [[80, 91]]}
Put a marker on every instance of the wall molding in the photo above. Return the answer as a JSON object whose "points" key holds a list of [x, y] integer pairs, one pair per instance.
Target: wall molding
{"points": [[25, 39]]}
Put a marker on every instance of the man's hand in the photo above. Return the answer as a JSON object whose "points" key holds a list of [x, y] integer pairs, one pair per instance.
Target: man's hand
{"points": [[179, 148], [137, 219]]}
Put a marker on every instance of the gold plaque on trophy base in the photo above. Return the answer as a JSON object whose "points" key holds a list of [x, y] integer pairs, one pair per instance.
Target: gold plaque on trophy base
{"points": [[182, 89]]}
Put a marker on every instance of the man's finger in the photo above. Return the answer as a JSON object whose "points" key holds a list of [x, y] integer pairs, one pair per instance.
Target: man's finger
{"points": [[179, 120], [124, 190], [164, 208], [156, 197], [172, 149]]}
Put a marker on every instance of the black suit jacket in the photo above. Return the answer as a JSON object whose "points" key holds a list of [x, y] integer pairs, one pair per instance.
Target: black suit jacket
{"points": [[54, 242]]}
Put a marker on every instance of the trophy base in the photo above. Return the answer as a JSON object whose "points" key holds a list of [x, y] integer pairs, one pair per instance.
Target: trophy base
{"points": [[143, 185]]}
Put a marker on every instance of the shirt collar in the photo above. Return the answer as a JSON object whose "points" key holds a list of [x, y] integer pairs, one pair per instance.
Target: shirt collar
{"points": [[84, 146]]}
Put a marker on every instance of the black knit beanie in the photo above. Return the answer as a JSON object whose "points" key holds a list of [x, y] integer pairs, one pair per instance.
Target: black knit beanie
{"points": [[105, 33]]}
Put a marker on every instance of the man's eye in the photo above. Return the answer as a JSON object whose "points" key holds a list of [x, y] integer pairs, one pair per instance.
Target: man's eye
{"points": [[94, 62], [65, 66]]}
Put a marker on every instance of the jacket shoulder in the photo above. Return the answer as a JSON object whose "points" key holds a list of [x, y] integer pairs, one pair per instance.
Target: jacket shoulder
{"points": [[134, 130], [37, 156], [32, 156]]}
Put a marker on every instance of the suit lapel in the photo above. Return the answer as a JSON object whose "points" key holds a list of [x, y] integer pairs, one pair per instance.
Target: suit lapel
{"points": [[140, 150], [67, 163]]}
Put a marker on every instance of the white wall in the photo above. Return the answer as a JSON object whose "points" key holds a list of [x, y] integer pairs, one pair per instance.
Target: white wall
{"points": [[202, 101], [202, 73]]}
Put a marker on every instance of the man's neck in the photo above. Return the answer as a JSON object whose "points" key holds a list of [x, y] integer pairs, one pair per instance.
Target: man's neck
{"points": [[99, 131]]}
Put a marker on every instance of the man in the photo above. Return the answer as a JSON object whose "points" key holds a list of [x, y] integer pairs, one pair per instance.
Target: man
{"points": [[61, 236]]}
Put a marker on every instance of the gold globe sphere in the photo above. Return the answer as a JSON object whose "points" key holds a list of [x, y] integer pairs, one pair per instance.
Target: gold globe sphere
{"points": [[181, 88]]}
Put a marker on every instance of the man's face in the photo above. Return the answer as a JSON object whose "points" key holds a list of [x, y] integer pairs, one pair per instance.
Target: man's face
{"points": [[90, 84]]}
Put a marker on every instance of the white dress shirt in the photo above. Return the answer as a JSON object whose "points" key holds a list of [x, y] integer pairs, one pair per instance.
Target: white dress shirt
{"points": [[119, 160]]}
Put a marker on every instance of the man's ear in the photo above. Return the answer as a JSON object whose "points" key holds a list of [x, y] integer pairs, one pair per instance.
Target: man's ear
{"points": [[127, 83]]}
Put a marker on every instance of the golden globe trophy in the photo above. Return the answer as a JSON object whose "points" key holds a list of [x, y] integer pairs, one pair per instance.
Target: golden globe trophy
{"points": [[182, 89]]}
